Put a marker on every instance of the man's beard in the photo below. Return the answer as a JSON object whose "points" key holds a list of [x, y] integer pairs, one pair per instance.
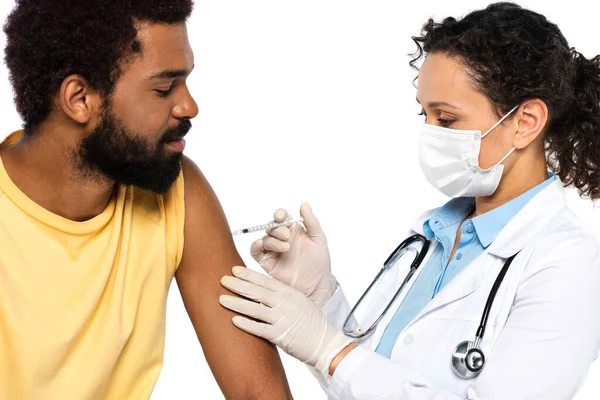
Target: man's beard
{"points": [[129, 159]]}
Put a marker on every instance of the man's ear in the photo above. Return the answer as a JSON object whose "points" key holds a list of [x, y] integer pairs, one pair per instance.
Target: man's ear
{"points": [[77, 99]]}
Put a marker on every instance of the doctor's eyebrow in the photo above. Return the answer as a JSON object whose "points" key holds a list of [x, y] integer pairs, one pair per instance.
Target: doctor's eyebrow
{"points": [[438, 104]]}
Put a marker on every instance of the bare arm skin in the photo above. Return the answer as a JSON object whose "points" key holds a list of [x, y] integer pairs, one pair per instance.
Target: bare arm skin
{"points": [[244, 366]]}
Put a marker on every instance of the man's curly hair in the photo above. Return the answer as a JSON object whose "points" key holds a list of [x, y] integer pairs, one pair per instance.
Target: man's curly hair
{"points": [[48, 40], [513, 55]]}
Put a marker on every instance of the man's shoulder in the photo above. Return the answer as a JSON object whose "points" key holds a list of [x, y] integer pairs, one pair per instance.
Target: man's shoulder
{"points": [[11, 139], [197, 191]]}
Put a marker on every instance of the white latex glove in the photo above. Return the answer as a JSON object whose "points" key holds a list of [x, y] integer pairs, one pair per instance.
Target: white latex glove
{"points": [[298, 257], [289, 319]]}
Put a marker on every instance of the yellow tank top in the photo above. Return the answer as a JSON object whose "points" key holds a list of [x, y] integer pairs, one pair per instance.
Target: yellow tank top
{"points": [[82, 304]]}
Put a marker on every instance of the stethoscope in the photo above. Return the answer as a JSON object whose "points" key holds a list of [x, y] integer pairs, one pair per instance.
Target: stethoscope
{"points": [[468, 359]]}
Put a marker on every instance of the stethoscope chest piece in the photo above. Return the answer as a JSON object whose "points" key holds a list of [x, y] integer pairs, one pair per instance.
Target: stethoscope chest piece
{"points": [[468, 359]]}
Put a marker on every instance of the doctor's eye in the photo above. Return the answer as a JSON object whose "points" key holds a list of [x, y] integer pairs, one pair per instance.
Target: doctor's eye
{"points": [[445, 123], [424, 114]]}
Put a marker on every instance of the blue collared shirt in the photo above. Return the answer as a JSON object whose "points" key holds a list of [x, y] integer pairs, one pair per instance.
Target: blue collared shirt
{"points": [[475, 236]]}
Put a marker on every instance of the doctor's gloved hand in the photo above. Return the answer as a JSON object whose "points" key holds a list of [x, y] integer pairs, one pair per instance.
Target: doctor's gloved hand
{"points": [[286, 317], [298, 257]]}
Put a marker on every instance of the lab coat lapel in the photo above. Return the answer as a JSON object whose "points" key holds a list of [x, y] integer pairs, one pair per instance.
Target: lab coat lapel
{"points": [[530, 221], [524, 227]]}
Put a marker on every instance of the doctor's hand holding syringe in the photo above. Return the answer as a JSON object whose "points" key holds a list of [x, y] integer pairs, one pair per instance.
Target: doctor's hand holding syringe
{"points": [[298, 262]]}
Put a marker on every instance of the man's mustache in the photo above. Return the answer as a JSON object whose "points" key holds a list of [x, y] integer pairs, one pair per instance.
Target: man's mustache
{"points": [[177, 132]]}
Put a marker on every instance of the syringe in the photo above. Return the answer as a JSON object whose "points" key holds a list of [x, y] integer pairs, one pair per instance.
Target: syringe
{"points": [[265, 226]]}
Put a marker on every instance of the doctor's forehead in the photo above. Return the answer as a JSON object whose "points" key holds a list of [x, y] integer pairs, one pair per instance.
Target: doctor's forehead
{"points": [[445, 79]]}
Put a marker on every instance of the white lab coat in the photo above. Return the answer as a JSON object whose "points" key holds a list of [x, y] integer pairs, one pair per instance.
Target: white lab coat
{"points": [[542, 334]]}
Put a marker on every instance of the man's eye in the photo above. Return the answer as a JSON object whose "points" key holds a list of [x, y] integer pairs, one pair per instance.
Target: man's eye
{"points": [[163, 93]]}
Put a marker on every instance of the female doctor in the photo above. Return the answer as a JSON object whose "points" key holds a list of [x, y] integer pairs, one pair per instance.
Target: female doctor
{"points": [[502, 284]]}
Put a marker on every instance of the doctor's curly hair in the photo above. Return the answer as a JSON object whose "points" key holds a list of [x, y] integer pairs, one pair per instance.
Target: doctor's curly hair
{"points": [[48, 40], [513, 55]]}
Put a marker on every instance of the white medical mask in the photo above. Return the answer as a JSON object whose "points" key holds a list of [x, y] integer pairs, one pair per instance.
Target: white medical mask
{"points": [[449, 159]]}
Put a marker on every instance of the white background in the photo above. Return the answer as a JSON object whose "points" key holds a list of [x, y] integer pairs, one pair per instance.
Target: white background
{"points": [[312, 101]]}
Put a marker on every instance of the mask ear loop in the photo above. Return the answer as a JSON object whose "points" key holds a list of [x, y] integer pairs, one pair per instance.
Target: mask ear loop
{"points": [[506, 156], [499, 122], [495, 125]]}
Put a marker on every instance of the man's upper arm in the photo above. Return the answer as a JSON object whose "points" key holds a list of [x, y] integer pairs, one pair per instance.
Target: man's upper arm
{"points": [[243, 365]]}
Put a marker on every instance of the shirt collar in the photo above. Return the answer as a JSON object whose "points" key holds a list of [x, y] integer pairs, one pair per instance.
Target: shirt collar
{"points": [[488, 225], [532, 219], [451, 213]]}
